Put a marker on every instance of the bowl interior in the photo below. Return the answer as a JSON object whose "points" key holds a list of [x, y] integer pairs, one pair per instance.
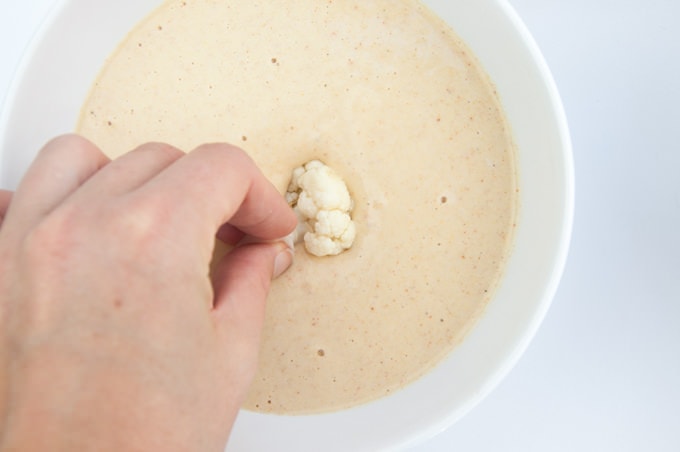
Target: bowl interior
{"points": [[65, 58]]}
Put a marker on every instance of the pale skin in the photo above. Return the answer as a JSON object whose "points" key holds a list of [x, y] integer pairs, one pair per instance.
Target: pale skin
{"points": [[113, 335]]}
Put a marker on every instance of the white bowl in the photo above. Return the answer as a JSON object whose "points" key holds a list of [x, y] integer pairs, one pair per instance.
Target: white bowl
{"points": [[65, 58]]}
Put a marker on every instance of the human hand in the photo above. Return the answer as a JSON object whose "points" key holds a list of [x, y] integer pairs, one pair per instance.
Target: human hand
{"points": [[112, 334], [5, 198]]}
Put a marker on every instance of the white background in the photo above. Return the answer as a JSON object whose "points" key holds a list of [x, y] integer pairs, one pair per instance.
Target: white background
{"points": [[603, 373]]}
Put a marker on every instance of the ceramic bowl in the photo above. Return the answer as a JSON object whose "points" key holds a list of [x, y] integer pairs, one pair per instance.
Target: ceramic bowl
{"points": [[65, 58]]}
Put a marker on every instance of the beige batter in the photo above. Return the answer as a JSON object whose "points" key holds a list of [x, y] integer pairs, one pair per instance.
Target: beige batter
{"points": [[383, 92]]}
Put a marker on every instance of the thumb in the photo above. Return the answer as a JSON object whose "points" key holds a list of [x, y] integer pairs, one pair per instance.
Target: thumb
{"points": [[241, 283]]}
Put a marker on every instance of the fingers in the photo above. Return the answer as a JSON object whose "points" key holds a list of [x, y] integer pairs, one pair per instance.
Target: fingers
{"points": [[5, 198], [133, 169], [221, 184], [242, 281], [230, 234], [62, 166]]}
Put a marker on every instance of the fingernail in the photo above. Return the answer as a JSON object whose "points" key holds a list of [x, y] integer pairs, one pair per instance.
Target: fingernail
{"points": [[289, 240], [282, 262]]}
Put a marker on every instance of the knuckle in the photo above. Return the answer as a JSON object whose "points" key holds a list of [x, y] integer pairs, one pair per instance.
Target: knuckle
{"points": [[162, 150], [226, 152], [212, 164], [219, 147], [72, 148], [71, 143], [140, 225], [139, 219]]}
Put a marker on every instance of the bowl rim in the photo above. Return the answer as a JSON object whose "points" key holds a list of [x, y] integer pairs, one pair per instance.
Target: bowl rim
{"points": [[410, 438]]}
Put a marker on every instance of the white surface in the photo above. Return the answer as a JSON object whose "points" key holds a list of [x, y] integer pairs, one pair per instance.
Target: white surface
{"points": [[603, 372]]}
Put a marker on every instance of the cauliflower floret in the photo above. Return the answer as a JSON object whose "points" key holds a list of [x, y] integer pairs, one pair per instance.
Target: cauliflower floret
{"points": [[322, 202]]}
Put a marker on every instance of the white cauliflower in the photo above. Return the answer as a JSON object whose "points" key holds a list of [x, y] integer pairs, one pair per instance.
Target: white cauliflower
{"points": [[323, 205]]}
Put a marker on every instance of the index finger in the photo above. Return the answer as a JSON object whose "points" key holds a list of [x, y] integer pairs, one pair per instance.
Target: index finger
{"points": [[222, 184]]}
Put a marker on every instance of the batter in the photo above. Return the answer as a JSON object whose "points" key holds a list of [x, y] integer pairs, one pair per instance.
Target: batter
{"points": [[389, 97]]}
